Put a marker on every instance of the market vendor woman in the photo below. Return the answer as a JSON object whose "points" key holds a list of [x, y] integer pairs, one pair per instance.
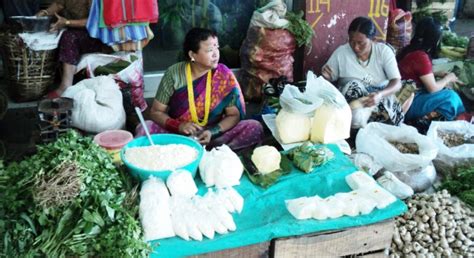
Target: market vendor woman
{"points": [[201, 97], [75, 41], [364, 68], [434, 100]]}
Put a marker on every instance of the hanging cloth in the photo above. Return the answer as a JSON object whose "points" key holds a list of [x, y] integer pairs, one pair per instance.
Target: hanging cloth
{"points": [[120, 12], [114, 36]]}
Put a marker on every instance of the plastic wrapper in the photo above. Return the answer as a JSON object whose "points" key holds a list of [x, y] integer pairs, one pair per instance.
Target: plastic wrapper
{"points": [[366, 163], [418, 179], [181, 182], [392, 184]]}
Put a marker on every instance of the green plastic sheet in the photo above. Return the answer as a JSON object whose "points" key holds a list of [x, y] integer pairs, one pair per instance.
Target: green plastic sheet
{"points": [[265, 217]]}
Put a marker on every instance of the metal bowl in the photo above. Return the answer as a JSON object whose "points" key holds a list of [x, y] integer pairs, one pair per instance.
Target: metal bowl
{"points": [[32, 23]]}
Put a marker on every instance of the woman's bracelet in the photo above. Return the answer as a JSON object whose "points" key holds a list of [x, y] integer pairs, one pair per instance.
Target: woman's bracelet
{"points": [[172, 125], [215, 131]]}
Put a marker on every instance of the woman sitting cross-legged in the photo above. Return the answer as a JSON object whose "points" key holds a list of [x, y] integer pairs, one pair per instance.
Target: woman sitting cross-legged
{"points": [[201, 97], [367, 70], [434, 100]]}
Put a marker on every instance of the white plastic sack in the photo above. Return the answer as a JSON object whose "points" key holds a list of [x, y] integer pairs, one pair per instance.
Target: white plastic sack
{"points": [[221, 167], [457, 155], [374, 140], [321, 88], [97, 105], [294, 101], [132, 74], [270, 16]]}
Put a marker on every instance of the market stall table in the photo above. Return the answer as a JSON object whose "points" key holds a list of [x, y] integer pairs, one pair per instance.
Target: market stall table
{"points": [[265, 216]]}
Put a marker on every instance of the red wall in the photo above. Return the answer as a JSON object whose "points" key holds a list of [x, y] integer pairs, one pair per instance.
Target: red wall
{"points": [[330, 20]]}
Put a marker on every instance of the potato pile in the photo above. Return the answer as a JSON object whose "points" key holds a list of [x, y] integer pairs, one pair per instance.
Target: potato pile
{"points": [[435, 225]]}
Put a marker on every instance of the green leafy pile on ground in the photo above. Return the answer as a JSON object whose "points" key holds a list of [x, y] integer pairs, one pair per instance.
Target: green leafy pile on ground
{"points": [[461, 184], [89, 209]]}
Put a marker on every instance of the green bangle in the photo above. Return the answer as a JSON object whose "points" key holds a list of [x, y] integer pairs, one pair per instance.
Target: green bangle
{"points": [[215, 131]]}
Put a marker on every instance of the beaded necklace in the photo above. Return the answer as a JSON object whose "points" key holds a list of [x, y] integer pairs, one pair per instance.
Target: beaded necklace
{"points": [[192, 104]]}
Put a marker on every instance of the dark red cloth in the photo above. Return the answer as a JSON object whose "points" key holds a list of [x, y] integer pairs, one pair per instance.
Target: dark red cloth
{"points": [[76, 42], [414, 65], [121, 12]]}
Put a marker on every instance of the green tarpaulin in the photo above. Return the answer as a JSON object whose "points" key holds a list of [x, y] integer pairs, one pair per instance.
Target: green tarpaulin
{"points": [[265, 216]]}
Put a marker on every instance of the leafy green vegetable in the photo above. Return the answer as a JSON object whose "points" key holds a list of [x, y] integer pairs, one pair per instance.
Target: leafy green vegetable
{"points": [[308, 156], [461, 184], [452, 39], [300, 28], [96, 222], [439, 16], [268, 179], [466, 73]]}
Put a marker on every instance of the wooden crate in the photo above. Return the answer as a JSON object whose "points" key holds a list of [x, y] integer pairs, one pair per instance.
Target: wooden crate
{"points": [[366, 241], [251, 251]]}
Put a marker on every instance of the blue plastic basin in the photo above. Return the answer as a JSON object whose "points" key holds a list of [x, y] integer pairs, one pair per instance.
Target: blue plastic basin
{"points": [[161, 139]]}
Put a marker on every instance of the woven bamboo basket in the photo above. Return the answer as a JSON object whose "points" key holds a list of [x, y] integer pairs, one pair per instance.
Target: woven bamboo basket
{"points": [[28, 72]]}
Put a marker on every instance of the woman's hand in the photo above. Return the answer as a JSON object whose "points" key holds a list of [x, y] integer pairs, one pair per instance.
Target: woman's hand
{"points": [[61, 23], [326, 72], [204, 137], [452, 78], [41, 13], [372, 99], [189, 128]]}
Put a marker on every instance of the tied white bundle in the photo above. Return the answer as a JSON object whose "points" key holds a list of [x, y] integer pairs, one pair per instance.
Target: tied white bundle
{"points": [[161, 157], [221, 167]]}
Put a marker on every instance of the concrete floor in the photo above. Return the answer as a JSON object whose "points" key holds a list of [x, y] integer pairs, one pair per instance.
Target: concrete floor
{"points": [[19, 130]]}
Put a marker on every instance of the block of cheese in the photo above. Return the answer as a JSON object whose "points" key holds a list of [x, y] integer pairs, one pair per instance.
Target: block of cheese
{"points": [[292, 127], [331, 124]]}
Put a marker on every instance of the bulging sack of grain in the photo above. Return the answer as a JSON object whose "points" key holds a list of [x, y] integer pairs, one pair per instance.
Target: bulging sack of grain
{"points": [[379, 140]]}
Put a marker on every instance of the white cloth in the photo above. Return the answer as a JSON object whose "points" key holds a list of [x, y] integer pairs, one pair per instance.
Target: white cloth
{"points": [[97, 104], [41, 40], [270, 16], [382, 66]]}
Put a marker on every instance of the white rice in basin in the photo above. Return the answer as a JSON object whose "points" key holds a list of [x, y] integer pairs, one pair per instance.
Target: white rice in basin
{"points": [[161, 157]]}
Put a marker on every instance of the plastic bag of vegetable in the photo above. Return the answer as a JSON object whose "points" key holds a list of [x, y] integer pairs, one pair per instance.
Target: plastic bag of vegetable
{"points": [[455, 141], [375, 138]]}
